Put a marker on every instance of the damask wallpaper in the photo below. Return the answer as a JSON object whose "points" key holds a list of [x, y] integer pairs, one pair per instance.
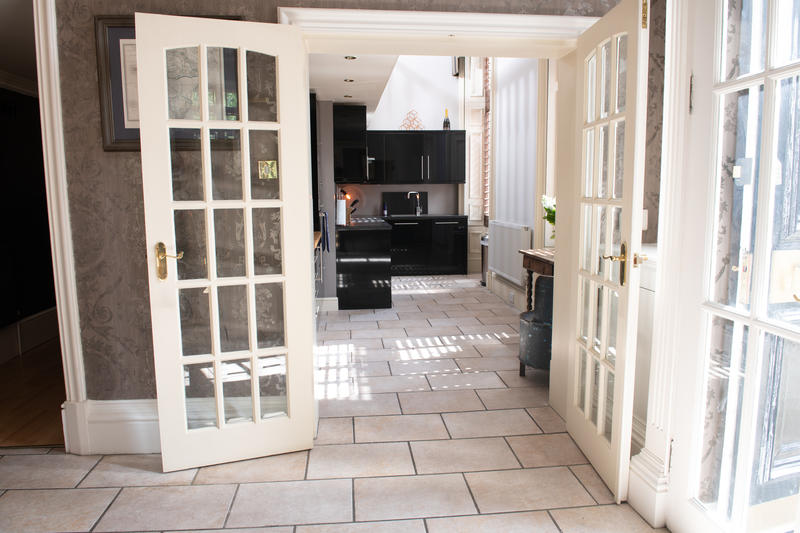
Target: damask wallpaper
{"points": [[105, 188]]}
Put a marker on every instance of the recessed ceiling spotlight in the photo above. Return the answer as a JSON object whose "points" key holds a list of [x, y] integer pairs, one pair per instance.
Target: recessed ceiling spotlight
{"points": [[348, 96], [350, 58], [348, 80]]}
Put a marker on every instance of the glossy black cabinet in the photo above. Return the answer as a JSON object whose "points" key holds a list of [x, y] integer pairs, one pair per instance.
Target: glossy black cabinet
{"points": [[449, 246], [349, 143], [410, 157], [428, 245], [363, 262]]}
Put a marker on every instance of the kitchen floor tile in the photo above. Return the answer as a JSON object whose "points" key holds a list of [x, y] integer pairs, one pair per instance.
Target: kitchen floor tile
{"points": [[399, 428], [514, 398], [419, 315], [135, 471], [592, 482], [490, 423], [472, 380], [285, 467], [378, 385], [364, 405], [432, 332], [44, 471], [458, 321], [602, 519], [493, 329], [40, 511], [34, 450], [504, 320], [334, 431], [292, 502], [462, 455], [548, 420], [160, 508], [530, 522], [333, 335], [394, 526], [439, 401], [546, 450], [527, 490], [411, 343], [399, 497], [360, 460], [502, 350], [532, 378], [377, 333], [352, 326], [484, 364], [411, 323], [423, 366]]}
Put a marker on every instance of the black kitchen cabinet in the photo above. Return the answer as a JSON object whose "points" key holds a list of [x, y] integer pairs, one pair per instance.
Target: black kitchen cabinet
{"points": [[449, 246], [363, 261], [456, 150], [411, 240], [428, 244], [349, 143], [376, 159], [414, 157], [404, 156]]}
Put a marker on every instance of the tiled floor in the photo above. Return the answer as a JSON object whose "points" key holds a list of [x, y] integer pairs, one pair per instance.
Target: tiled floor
{"points": [[426, 427]]}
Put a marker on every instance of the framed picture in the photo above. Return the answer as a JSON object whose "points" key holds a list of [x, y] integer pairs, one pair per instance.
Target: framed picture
{"points": [[116, 69]]}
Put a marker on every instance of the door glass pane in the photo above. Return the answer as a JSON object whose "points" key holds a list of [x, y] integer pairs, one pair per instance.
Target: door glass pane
{"points": [[595, 403], [190, 238], [745, 43], [237, 391], [616, 243], [602, 186], [223, 83], [784, 283], [613, 311], [183, 83], [598, 317], [272, 386], [619, 159], [600, 236], [226, 165], [605, 78], [777, 451], [269, 315], [201, 405], [787, 48], [229, 241], [582, 377], [233, 330], [261, 93], [591, 82], [588, 169], [737, 191], [608, 409], [267, 241], [195, 321], [622, 71], [187, 164], [586, 311], [264, 171], [724, 389], [586, 238]]}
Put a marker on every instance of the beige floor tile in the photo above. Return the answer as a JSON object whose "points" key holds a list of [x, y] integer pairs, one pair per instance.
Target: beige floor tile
{"points": [[484, 364], [44, 471], [334, 431], [546, 450], [548, 419], [400, 428], [531, 522], [160, 508], [472, 339], [497, 329], [378, 333], [354, 345], [431, 331], [135, 471], [602, 519], [592, 482], [360, 460], [365, 369], [35, 511], [412, 343], [439, 401], [490, 424], [364, 405], [423, 366], [514, 398], [472, 380], [447, 308], [412, 497], [381, 384], [457, 300], [532, 378], [38, 450], [333, 335], [383, 314], [476, 313], [289, 529], [504, 320], [285, 467], [394, 526], [57, 451], [418, 315], [292, 502], [458, 321], [527, 490], [499, 350], [509, 338], [409, 323], [462, 455], [352, 326]]}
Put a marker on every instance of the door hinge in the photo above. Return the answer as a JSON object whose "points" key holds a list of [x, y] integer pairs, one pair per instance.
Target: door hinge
{"points": [[669, 458], [644, 14], [691, 93]]}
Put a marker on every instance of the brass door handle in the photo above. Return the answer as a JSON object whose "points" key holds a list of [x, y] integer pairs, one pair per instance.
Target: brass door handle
{"points": [[622, 259], [796, 299], [618, 258], [161, 260]]}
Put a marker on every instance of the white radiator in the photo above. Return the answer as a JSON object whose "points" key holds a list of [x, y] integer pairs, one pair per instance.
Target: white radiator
{"points": [[505, 241]]}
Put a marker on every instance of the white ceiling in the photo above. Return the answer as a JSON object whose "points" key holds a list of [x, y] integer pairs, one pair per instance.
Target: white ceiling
{"points": [[327, 73]]}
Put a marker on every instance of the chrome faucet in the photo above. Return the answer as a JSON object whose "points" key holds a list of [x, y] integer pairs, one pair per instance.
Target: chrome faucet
{"points": [[418, 209]]}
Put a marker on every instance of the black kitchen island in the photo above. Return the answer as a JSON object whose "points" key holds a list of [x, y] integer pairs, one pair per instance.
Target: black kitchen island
{"points": [[363, 264]]}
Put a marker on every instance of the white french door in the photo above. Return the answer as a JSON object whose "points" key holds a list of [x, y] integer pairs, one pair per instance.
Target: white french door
{"points": [[225, 164], [736, 450], [611, 74]]}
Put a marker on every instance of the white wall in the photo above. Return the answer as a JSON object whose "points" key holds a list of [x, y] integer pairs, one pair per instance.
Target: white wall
{"points": [[422, 83], [515, 142]]}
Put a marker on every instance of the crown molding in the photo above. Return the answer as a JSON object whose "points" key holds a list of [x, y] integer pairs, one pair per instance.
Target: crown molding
{"points": [[18, 84]]}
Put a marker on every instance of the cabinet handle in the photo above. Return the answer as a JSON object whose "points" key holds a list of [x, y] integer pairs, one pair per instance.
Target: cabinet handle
{"points": [[422, 168], [441, 223], [429, 167], [406, 223]]}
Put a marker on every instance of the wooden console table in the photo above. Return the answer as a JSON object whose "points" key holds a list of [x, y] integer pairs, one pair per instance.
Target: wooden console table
{"points": [[539, 261]]}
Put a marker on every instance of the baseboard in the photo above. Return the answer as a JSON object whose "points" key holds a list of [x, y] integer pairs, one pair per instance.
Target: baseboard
{"points": [[637, 433], [111, 427], [327, 304], [648, 488], [28, 333]]}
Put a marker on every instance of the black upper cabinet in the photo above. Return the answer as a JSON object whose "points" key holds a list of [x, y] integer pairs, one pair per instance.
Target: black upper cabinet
{"points": [[404, 156], [422, 156], [349, 143]]}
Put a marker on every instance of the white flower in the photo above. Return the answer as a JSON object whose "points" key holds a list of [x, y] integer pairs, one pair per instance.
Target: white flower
{"points": [[548, 202]]}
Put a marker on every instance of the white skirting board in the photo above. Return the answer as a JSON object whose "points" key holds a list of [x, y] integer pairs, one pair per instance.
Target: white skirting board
{"points": [[111, 427], [505, 241]]}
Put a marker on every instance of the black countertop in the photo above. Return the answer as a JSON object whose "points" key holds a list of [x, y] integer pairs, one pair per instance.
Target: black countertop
{"points": [[424, 217], [365, 224]]}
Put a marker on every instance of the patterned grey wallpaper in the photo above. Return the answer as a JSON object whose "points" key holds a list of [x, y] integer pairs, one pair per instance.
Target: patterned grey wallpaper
{"points": [[655, 112], [105, 188]]}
